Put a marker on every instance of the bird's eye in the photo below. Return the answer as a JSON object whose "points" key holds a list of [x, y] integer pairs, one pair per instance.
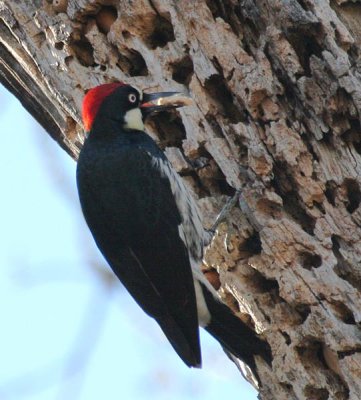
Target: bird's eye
{"points": [[132, 98]]}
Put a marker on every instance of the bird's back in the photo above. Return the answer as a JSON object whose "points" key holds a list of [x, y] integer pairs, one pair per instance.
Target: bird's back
{"points": [[126, 189]]}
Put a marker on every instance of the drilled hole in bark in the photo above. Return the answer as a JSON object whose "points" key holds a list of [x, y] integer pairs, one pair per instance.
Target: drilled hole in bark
{"points": [[330, 192], [287, 386], [252, 245], [303, 4], [182, 71], [214, 180], [353, 133], [67, 60], [83, 51], [162, 34], [316, 393], [342, 312], [309, 260], [304, 311], [218, 90], [197, 185], [305, 47], [284, 185], [217, 129], [39, 38], [344, 269], [292, 206], [269, 207], [105, 18], [307, 141], [264, 285], [347, 353], [357, 146], [126, 34], [252, 22], [287, 337], [327, 138], [353, 194], [224, 9], [133, 64], [312, 357], [59, 45], [170, 129], [225, 188], [213, 278]]}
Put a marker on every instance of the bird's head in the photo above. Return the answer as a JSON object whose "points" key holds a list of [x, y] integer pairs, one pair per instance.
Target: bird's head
{"points": [[126, 105]]}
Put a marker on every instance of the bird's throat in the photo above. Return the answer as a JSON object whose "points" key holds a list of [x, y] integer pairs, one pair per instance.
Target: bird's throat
{"points": [[133, 120]]}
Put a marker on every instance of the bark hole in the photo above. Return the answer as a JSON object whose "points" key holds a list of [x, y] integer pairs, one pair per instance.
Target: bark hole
{"points": [[39, 38], [284, 186], [303, 4], [330, 192], [346, 353], [105, 18], [287, 337], [224, 187], [312, 358], [83, 51], [60, 6], [217, 129], [213, 278], [67, 60], [251, 20], [357, 146], [305, 47], [252, 245], [344, 269], [225, 10], [304, 311], [343, 313], [288, 388], [59, 45], [182, 70], [269, 207], [316, 393], [309, 260], [133, 64], [162, 34], [327, 139], [170, 129], [353, 194], [293, 208], [214, 179], [264, 285], [222, 96]]}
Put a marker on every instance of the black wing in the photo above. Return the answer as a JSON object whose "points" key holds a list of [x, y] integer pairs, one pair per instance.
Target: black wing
{"points": [[131, 212]]}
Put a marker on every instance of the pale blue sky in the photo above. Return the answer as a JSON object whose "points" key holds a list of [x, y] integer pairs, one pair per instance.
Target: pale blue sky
{"points": [[69, 331]]}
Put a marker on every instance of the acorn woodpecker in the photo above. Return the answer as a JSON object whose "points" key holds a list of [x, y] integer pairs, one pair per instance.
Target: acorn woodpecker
{"points": [[147, 225]]}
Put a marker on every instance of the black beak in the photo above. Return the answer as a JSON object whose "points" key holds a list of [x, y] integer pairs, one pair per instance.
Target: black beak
{"points": [[156, 102]]}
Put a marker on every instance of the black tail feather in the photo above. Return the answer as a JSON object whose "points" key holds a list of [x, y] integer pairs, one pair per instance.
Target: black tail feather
{"points": [[238, 340], [187, 351]]}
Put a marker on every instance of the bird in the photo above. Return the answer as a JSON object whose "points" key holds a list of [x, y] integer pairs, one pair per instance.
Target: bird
{"points": [[148, 226]]}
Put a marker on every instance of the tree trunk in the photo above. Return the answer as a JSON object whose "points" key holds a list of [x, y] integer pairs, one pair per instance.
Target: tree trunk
{"points": [[277, 93]]}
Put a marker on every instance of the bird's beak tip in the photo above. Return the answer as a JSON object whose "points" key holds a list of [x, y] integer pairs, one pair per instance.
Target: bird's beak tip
{"points": [[155, 102]]}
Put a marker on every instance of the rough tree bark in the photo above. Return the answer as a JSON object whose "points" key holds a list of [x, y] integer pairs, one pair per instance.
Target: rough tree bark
{"points": [[277, 92]]}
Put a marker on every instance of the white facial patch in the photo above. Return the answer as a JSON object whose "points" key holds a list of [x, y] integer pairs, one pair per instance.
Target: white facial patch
{"points": [[133, 119]]}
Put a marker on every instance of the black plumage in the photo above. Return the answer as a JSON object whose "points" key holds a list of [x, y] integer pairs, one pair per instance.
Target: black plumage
{"points": [[130, 209], [148, 228]]}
